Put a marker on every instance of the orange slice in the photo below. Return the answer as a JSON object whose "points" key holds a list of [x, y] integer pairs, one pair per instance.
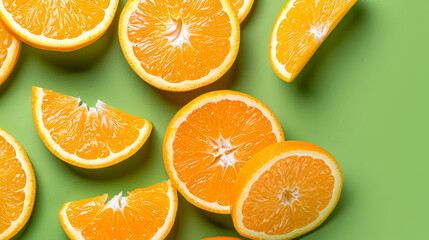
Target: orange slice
{"points": [[210, 139], [9, 52], [242, 8], [285, 190], [299, 30], [93, 138], [56, 24], [179, 45], [146, 213], [17, 186]]}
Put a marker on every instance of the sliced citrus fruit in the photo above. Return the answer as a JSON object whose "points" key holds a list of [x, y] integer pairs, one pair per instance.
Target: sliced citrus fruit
{"points": [[146, 213], [9, 52], [300, 28], [242, 8], [210, 139], [17, 186], [179, 45], [285, 190], [58, 25], [93, 138]]}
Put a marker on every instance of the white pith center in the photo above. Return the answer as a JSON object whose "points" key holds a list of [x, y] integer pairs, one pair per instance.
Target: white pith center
{"points": [[177, 32], [320, 32], [288, 196], [223, 153], [118, 202]]}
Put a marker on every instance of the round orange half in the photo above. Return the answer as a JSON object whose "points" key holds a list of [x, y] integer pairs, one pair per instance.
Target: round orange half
{"points": [[56, 24], [17, 186], [146, 213], [285, 190], [300, 28], [94, 138], [210, 139], [9, 52], [179, 45], [242, 8]]}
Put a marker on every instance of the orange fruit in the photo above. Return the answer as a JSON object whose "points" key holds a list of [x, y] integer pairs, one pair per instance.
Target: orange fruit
{"points": [[222, 238], [94, 138], [210, 139], [17, 186], [146, 213], [9, 52], [179, 45], [242, 8], [300, 28], [285, 190], [58, 25]]}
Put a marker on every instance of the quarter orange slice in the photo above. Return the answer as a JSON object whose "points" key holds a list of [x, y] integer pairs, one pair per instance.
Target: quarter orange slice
{"points": [[93, 138], [9, 52], [299, 30], [210, 139], [17, 186], [56, 24], [242, 8], [179, 45], [285, 190], [146, 213]]}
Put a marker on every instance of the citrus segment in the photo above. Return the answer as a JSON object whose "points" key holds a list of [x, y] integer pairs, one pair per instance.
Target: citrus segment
{"points": [[146, 213], [299, 30], [9, 52], [242, 8], [210, 139], [285, 190], [17, 186], [179, 45], [57, 24], [91, 138]]}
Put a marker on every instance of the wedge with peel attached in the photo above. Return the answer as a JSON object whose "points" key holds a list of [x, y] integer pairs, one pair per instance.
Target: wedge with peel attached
{"points": [[210, 139], [9, 52], [17, 186], [57, 24], [300, 28], [146, 213], [242, 8], [179, 45], [93, 138], [285, 190]]}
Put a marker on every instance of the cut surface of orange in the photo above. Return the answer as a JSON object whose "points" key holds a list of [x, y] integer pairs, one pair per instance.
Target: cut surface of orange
{"points": [[9, 52], [17, 186], [285, 190], [94, 138], [242, 8], [300, 28], [57, 24], [146, 213], [210, 139], [179, 45]]}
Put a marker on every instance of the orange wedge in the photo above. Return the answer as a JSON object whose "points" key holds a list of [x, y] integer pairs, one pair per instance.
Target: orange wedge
{"points": [[58, 25], [17, 186], [93, 138], [242, 8], [285, 190], [210, 139], [299, 30], [9, 52], [179, 45], [146, 213]]}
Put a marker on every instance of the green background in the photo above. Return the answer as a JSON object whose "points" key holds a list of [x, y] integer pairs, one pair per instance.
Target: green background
{"points": [[363, 97]]}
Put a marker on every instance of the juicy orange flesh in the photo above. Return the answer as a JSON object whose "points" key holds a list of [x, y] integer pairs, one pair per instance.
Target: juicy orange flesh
{"points": [[237, 5], [139, 217], [12, 184], [57, 19], [88, 134], [304, 28], [214, 143], [288, 196], [5, 41], [180, 40]]}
